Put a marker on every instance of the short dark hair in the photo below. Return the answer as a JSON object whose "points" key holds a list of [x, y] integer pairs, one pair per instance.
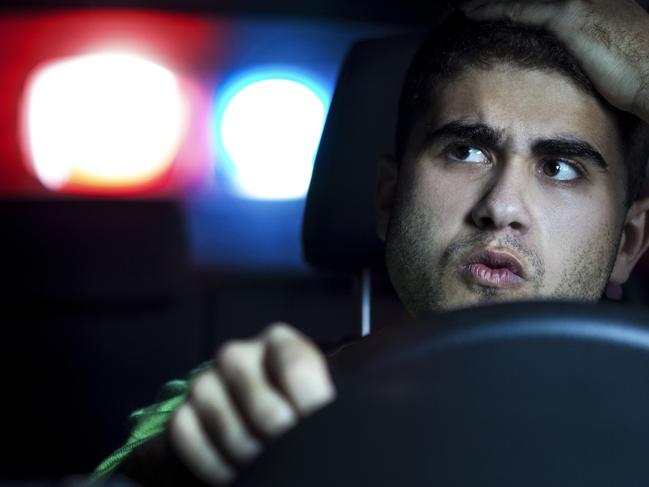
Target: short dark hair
{"points": [[459, 44]]}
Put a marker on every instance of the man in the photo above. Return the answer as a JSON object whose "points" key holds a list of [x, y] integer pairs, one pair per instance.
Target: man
{"points": [[520, 158]]}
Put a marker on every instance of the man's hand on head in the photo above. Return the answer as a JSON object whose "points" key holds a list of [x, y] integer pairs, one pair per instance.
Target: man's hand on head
{"points": [[609, 38], [256, 390]]}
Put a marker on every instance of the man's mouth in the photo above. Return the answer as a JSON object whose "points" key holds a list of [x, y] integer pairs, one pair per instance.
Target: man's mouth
{"points": [[493, 269]]}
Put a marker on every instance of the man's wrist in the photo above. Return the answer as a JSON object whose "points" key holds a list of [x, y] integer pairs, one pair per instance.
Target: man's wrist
{"points": [[154, 463]]}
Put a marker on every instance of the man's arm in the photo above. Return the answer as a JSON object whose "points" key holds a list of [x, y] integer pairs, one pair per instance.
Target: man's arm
{"points": [[609, 38]]}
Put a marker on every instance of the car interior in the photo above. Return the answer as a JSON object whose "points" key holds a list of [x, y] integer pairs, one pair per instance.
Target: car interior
{"points": [[111, 288]]}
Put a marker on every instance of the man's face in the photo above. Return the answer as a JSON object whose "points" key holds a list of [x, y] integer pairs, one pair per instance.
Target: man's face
{"points": [[512, 188]]}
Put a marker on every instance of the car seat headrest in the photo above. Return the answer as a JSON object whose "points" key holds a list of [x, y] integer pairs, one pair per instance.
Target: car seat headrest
{"points": [[338, 231]]}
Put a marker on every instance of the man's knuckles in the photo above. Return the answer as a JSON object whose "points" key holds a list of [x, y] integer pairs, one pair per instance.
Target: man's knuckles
{"points": [[208, 398], [236, 355], [179, 426], [296, 366], [222, 423], [210, 423], [206, 392], [280, 332], [300, 369], [191, 445], [310, 385], [271, 415], [241, 446]]}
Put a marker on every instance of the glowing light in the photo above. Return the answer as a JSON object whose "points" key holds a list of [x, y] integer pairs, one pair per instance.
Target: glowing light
{"points": [[103, 121], [269, 133]]}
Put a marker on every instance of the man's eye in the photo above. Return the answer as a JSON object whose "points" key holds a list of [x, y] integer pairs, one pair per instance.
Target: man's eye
{"points": [[467, 153], [561, 170]]}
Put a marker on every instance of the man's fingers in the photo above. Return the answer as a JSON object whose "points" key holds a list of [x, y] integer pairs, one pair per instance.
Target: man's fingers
{"points": [[210, 399], [256, 389], [194, 448], [242, 366], [299, 368], [537, 14]]}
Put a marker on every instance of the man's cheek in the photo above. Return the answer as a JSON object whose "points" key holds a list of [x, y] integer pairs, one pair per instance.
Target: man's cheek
{"points": [[582, 254], [447, 203]]}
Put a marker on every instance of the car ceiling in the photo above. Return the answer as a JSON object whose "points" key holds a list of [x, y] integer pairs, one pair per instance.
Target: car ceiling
{"points": [[416, 13], [409, 12]]}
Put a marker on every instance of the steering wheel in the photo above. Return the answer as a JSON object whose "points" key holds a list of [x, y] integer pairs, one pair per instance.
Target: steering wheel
{"points": [[520, 394]]}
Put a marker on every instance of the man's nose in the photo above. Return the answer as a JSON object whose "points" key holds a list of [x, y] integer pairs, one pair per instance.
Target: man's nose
{"points": [[504, 202]]}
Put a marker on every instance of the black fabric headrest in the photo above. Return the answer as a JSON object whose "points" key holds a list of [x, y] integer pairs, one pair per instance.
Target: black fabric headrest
{"points": [[338, 231]]}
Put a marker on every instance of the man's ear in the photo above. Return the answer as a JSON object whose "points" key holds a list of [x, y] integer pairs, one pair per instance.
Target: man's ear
{"points": [[635, 240], [386, 185]]}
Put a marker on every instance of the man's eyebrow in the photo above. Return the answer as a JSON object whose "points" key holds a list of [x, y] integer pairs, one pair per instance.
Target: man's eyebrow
{"points": [[563, 145], [474, 132], [570, 147]]}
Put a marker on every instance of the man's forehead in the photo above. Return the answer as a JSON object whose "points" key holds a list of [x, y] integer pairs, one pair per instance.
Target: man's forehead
{"points": [[523, 106]]}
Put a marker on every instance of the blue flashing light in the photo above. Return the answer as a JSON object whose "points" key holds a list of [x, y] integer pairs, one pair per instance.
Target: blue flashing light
{"points": [[267, 126]]}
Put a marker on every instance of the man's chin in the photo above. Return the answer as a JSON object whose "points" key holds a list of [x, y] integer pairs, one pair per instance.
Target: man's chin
{"points": [[458, 294], [483, 296]]}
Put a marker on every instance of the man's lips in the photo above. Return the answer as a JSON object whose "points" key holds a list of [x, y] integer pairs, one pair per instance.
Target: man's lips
{"points": [[493, 269]]}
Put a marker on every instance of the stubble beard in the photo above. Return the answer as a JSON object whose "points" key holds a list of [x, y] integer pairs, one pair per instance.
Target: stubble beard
{"points": [[422, 280]]}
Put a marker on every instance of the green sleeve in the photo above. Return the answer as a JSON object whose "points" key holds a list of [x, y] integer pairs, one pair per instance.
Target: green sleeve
{"points": [[149, 422]]}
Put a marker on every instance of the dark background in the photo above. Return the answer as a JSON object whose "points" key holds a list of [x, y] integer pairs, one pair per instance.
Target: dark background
{"points": [[78, 358]]}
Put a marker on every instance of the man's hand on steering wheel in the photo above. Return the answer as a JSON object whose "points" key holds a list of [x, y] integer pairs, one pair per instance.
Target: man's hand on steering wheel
{"points": [[256, 390]]}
